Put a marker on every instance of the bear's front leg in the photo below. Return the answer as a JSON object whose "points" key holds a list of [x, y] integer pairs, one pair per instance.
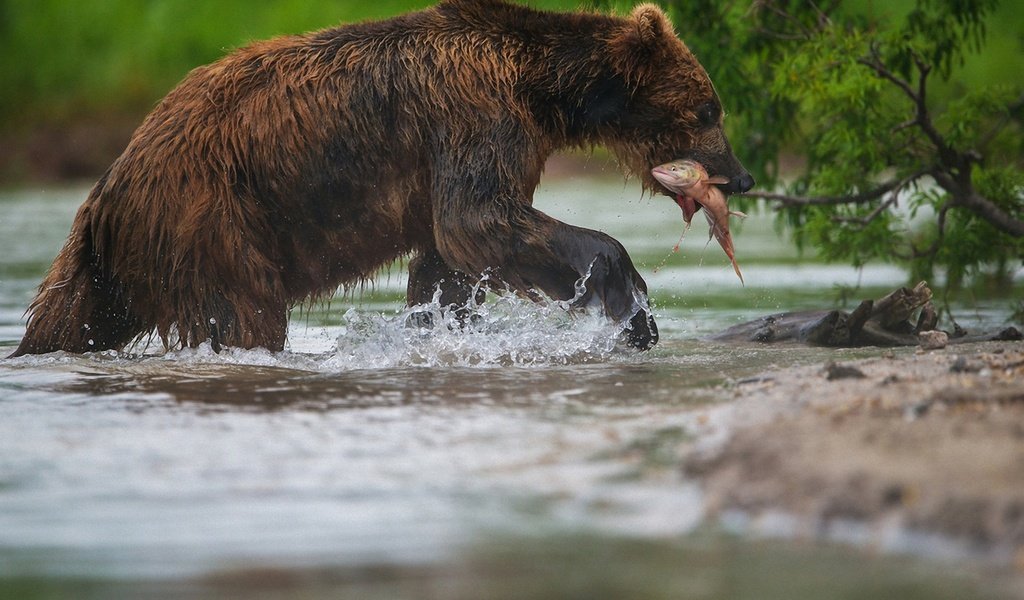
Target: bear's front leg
{"points": [[612, 284], [484, 221], [544, 254]]}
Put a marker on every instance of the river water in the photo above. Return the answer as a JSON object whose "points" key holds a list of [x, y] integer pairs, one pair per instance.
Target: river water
{"points": [[373, 458]]}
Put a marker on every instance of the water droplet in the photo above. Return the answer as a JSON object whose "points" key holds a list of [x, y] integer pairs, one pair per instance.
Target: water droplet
{"points": [[213, 321]]}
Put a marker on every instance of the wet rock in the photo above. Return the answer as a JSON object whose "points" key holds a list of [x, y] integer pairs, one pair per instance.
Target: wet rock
{"points": [[933, 340]]}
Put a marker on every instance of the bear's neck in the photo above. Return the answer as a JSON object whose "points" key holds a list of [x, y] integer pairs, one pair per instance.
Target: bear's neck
{"points": [[563, 64], [572, 89]]}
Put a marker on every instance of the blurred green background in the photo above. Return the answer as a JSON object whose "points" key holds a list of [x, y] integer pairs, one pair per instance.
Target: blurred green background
{"points": [[76, 77]]}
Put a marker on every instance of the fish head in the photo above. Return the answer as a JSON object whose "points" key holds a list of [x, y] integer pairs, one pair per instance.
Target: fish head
{"points": [[679, 176]]}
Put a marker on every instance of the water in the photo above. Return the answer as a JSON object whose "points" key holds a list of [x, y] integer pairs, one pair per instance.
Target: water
{"points": [[369, 455]]}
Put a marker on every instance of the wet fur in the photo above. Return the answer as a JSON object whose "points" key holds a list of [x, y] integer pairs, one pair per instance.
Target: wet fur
{"points": [[296, 165]]}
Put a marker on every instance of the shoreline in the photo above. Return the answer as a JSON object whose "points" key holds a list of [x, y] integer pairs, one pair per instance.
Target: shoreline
{"points": [[877, 452]]}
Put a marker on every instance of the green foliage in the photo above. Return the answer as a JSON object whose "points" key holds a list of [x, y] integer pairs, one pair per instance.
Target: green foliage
{"points": [[941, 31], [907, 155], [866, 112], [60, 60]]}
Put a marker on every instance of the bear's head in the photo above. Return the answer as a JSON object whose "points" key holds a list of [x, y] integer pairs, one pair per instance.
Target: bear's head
{"points": [[672, 109]]}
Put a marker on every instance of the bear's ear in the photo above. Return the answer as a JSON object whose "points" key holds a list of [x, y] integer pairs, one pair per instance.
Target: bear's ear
{"points": [[636, 47], [651, 24]]}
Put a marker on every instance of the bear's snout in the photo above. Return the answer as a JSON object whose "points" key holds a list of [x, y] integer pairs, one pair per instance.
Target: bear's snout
{"points": [[739, 185]]}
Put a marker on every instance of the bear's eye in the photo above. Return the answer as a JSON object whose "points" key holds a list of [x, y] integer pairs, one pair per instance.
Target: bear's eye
{"points": [[708, 113]]}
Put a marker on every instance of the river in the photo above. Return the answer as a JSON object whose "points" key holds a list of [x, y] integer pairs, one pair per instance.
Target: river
{"points": [[530, 456]]}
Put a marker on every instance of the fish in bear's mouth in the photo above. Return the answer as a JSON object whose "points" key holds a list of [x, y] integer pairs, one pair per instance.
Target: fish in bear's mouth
{"points": [[687, 182], [693, 189]]}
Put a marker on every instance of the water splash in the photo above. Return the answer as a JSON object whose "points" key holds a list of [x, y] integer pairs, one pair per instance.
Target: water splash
{"points": [[507, 330], [504, 331]]}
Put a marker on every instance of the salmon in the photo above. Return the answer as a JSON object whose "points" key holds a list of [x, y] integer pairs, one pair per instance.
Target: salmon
{"points": [[694, 189]]}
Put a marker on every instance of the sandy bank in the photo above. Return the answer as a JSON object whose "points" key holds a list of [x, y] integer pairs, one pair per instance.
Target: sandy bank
{"points": [[927, 443]]}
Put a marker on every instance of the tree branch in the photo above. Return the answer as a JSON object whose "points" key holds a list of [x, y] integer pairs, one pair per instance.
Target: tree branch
{"points": [[969, 199], [997, 217], [922, 118], [875, 64], [871, 216], [980, 205], [861, 198]]}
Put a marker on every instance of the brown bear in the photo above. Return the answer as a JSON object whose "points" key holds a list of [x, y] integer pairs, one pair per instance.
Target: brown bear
{"points": [[296, 165]]}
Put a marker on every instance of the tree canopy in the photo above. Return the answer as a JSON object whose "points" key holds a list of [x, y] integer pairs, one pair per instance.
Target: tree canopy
{"points": [[899, 159]]}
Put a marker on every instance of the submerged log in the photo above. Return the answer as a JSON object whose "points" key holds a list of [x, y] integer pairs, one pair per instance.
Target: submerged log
{"points": [[888, 321]]}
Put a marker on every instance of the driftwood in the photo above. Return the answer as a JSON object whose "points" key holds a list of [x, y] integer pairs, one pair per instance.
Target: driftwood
{"points": [[888, 321]]}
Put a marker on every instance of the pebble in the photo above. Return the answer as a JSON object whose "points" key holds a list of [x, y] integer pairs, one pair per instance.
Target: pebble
{"points": [[933, 340], [962, 365], [835, 371]]}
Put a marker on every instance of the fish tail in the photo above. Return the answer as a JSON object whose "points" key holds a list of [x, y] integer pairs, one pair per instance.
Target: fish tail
{"points": [[736, 267]]}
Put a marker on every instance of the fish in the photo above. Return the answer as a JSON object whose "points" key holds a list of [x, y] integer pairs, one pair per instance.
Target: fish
{"points": [[690, 182], [694, 190], [717, 213]]}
